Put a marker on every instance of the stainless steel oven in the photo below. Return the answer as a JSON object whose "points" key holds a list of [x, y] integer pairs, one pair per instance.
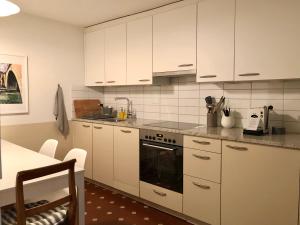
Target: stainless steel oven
{"points": [[161, 159]]}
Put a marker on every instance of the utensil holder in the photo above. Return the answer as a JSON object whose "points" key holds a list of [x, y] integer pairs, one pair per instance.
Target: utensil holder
{"points": [[212, 119], [227, 121]]}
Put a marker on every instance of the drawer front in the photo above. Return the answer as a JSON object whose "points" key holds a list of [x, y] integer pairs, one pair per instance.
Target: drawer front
{"points": [[201, 200], [161, 196], [202, 164], [206, 144]]}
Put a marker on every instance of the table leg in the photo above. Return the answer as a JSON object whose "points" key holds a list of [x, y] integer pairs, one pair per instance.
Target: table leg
{"points": [[81, 200], [0, 217]]}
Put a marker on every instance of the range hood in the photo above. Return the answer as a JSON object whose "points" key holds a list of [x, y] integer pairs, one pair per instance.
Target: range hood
{"points": [[174, 73]]}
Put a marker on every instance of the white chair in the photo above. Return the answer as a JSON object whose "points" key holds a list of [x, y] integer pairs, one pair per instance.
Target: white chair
{"points": [[75, 153], [79, 155], [49, 148]]}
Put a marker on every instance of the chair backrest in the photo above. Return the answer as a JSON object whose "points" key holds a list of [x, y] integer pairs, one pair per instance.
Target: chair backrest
{"points": [[26, 175], [49, 148], [78, 154]]}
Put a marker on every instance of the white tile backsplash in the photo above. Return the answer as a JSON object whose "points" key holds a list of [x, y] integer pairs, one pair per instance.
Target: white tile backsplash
{"points": [[267, 84], [267, 94], [237, 86], [182, 99]]}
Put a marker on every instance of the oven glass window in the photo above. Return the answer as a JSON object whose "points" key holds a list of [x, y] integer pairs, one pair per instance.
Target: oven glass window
{"points": [[161, 165]]}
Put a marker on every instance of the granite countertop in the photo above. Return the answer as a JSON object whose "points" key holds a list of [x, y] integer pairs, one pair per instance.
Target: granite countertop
{"points": [[291, 141]]}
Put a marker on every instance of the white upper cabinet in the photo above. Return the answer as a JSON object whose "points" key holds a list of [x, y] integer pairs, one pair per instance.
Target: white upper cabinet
{"points": [[267, 39], [94, 58], [115, 55], [174, 40], [215, 40], [139, 51]]}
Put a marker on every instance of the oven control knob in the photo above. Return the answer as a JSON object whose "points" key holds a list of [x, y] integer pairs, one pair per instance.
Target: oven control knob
{"points": [[146, 136], [174, 141], [169, 140], [153, 138], [165, 140], [150, 137]]}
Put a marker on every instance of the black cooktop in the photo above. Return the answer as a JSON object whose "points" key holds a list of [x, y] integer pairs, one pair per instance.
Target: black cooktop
{"points": [[173, 125]]}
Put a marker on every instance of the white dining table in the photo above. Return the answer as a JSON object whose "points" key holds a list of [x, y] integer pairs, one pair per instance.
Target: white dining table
{"points": [[16, 158]]}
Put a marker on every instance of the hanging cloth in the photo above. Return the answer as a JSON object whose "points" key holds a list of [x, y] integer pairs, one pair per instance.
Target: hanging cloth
{"points": [[60, 113]]}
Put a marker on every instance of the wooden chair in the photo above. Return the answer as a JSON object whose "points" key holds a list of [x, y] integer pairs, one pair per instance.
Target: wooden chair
{"points": [[35, 210]]}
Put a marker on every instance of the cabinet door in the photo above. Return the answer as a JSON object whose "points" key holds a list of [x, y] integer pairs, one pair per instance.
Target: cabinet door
{"points": [[115, 55], [94, 58], [260, 185], [202, 164], [103, 144], [174, 40], [267, 39], [215, 40], [82, 138], [161, 196], [126, 160], [201, 200], [139, 51]]}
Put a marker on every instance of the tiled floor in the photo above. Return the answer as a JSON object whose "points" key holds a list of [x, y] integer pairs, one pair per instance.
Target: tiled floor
{"points": [[110, 208]]}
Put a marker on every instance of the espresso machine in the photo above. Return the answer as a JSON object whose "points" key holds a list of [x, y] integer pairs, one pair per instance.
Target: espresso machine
{"points": [[259, 121]]}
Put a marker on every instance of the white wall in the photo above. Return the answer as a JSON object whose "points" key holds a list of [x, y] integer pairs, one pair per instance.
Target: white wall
{"points": [[55, 55]]}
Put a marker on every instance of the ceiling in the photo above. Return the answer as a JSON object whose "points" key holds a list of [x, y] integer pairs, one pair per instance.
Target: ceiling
{"points": [[84, 13]]}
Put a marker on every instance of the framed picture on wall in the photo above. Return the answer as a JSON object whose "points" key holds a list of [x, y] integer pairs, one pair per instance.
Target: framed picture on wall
{"points": [[13, 84]]}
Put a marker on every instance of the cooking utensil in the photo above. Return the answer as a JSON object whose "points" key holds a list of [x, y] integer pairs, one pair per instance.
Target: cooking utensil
{"points": [[226, 111], [219, 104], [209, 103], [209, 100]]}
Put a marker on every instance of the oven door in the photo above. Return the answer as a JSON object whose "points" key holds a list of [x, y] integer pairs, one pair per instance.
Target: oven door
{"points": [[161, 165]]}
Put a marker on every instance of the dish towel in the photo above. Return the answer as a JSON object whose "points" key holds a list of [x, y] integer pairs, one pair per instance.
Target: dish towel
{"points": [[60, 113]]}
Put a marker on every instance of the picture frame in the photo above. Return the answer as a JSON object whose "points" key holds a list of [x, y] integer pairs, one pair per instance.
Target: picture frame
{"points": [[13, 84]]}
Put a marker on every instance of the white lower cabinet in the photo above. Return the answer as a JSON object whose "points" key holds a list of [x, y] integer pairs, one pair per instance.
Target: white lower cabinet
{"points": [[161, 196], [126, 160], [103, 154], [201, 200], [202, 164], [260, 185], [82, 138], [202, 177]]}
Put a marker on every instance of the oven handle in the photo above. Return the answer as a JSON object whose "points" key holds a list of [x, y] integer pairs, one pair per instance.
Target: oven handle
{"points": [[159, 147]]}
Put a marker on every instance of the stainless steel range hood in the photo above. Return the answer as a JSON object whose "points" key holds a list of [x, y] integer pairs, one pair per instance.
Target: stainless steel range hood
{"points": [[174, 73]]}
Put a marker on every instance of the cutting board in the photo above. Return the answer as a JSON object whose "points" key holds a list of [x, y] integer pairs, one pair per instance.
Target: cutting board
{"points": [[85, 107]]}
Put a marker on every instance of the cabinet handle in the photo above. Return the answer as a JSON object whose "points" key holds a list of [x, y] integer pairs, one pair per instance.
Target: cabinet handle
{"points": [[185, 65], [98, 127], [110, 81], [159, 193], [208, 76], [249, 74], [201, 157], [144, 80], [201, 186], [99, 82], [202, 142], [159, 147], [86, 126], [126, 131], [237, 148]]}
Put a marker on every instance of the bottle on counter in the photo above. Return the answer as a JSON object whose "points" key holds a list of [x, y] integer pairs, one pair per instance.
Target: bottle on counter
{"points": [[121, 114]]}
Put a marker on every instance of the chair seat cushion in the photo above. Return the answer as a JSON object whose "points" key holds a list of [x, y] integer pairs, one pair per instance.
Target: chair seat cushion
{"points": [[55, 216]]}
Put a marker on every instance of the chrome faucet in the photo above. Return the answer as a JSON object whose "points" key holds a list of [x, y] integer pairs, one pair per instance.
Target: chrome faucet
{"points": [[129, 105]]}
